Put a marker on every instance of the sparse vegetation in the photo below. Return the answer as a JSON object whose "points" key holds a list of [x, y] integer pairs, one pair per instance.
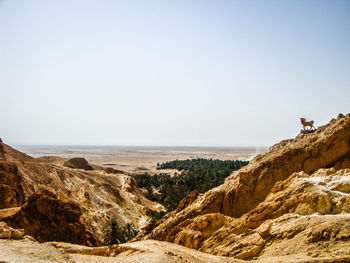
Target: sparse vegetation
{"points": [[158, 215], [195, 174], [115, 234]]}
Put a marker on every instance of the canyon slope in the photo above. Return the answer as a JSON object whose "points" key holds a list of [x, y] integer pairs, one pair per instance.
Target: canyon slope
{"points": [[293, 202], [67, 200]]}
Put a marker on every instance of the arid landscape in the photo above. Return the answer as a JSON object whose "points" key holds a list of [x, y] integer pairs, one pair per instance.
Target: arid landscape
{"points": [[174, 131], [134, 159], [290, 204]]}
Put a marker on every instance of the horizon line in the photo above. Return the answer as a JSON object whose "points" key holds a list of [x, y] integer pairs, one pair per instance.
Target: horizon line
{"points": [[135, 146]]}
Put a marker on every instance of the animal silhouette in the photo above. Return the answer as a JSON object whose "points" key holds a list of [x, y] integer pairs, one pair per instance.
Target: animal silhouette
{"points": [[307, 124]]}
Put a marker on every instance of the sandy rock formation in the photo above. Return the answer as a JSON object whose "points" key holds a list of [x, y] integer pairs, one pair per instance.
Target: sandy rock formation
{"points": [[48, 219], [305, 209], [101, 196], [247, 216], [77, 163]]}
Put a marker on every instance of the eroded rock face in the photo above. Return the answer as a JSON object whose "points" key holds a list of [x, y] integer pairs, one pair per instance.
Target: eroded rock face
{"points": [[307, 152], [101, 196], [11, 193], [294, 179], [292, 207], [48, 219]]}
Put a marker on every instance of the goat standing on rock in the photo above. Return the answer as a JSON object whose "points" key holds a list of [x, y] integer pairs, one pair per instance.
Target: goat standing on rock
{"points": [[307, 124]]}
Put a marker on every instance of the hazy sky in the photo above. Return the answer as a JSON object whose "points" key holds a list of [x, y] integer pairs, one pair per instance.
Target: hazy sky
{"points": [[224, 73]]}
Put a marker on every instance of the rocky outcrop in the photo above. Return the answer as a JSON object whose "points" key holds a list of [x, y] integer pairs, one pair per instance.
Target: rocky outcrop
{"points": [[295, 210], [308, 152], [101, 196], [296, 180], [48, 219], [77, 163]]}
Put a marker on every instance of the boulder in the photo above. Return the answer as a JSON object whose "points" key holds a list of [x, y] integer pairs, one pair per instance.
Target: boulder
{"points": [[8, 232], [17, 233], [5, 230]]}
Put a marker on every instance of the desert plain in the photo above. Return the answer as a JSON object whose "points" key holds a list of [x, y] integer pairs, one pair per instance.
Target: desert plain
{"points": [[140, 159]]}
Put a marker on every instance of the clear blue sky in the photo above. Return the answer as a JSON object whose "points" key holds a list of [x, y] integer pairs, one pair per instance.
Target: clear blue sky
{"points": [[225, 73]]}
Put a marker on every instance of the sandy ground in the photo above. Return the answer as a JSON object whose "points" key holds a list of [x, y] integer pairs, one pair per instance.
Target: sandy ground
{"points": [[149, 251], [140, 159], [27, 251]]}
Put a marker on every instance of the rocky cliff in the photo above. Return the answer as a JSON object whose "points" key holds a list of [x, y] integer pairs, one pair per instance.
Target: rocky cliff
{"points": [[293, 200], [46, 218], [95, 194]]}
